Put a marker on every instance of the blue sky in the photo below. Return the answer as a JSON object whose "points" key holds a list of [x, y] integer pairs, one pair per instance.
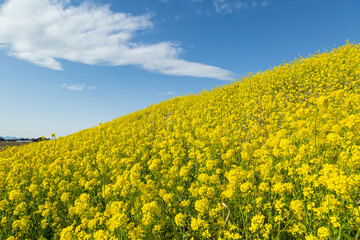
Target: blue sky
{"points": [[66, 65]]}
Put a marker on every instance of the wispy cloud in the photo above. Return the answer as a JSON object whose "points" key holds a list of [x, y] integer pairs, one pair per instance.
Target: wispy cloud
{"points": [[43, 31], [77, 87], [166, 94], [229, 6]]}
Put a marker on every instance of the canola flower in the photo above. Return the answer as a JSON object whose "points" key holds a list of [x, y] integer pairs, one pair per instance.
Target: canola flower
{"points": [[281, 148]]}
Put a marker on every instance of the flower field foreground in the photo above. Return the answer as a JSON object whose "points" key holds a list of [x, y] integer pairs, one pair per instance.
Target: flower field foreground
{"points": [[278, 153]]}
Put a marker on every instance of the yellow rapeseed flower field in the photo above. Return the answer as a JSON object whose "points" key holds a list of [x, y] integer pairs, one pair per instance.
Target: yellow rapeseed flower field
{"points": [[273, 156]]}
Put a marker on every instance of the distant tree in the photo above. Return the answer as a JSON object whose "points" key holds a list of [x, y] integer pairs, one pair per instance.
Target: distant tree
{"points": [[39, 139], [2, 139]]}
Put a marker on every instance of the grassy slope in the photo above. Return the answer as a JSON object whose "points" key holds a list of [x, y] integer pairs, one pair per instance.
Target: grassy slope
{"points": [[280, 149], [6, 144]]}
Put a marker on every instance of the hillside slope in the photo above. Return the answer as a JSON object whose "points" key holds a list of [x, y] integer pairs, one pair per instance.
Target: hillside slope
{"points": [[279, 151]]}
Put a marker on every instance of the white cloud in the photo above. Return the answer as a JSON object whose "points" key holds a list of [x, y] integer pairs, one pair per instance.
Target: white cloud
{"points": [[264, 3], [178, 17], [43, 31], [229, 6], [77, 87], [166, 93]]}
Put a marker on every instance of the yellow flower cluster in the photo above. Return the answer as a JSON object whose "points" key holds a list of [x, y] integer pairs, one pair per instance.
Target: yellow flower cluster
{"points": [[273, 156]]}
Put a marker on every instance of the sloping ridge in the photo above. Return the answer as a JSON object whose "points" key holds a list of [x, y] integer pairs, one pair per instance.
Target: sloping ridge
{"points": [[278, 151]]}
